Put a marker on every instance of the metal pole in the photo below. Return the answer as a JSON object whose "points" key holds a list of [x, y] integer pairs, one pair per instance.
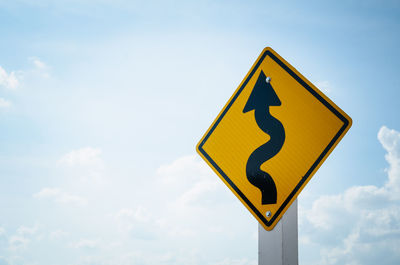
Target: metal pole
{"points": [[280, 246]]}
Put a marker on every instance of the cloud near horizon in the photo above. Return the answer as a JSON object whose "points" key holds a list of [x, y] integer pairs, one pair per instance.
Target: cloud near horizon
{"points": [[359, 226], [362, 224]]}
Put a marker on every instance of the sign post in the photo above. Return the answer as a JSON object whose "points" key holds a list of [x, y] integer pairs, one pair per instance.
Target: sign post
{"points": [[280, 245]]}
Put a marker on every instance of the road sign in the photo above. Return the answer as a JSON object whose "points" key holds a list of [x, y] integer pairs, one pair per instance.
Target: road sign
{"points": [[271, 137]]}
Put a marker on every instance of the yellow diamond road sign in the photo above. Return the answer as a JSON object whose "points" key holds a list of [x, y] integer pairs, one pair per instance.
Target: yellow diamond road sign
{"points": [[271, 137]]}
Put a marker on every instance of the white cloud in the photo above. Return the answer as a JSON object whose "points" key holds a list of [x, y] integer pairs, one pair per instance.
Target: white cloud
{"points": [[2, 231], [361, 225], [38, 63], [58, 234], [87, 156], [25, 230], [22, 237], [74, 199], [40, 68], [390, 140], [186, 169], [197, 191], [17, 242], [192, 177], [136, 223], [4, 104], [84, 164], [47, 193], [60, 196], [198, 202], [191, 188], [10, 80], [175, 228], [139, 214], [85, 243]]}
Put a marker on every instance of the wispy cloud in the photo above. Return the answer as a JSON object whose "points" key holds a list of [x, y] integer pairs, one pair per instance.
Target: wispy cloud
{"points": [[58, 234], [87, 156], [192, 175], [22, 238], [40, 68], [362, 224], [193, 190], [136, 223], [85, 164], [85, 243], [17, 242], [60, 196], [8, 80], [26, 230], [5, 104]]}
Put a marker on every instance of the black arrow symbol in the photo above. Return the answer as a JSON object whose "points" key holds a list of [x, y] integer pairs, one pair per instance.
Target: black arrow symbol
{"points": [[261, 98]]}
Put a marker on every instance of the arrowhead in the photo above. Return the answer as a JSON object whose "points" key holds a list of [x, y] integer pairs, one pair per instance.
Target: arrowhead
{"points": [[262, 96]]}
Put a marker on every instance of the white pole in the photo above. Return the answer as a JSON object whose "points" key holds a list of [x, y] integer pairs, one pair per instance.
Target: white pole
{"points": [[280, 246]]}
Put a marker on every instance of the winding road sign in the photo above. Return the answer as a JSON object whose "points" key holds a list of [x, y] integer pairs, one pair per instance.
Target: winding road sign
{"points": [[271, 137]]}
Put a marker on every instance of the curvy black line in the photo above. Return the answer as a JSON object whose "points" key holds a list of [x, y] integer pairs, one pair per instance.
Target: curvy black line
{"points": [[260, 100]]}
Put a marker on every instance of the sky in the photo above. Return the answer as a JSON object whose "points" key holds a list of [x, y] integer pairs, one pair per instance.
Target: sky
{"points": [[103, 102]]}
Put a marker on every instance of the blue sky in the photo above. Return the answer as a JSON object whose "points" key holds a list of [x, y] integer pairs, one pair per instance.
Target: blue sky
{"points": [[103, 102]]}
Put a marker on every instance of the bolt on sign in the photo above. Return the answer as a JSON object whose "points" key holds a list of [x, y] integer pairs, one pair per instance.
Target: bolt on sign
{"points": [[272, 136]]}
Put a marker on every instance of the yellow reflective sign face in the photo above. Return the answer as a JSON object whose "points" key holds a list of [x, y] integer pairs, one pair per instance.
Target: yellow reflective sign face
{"points": [[272, 136]]}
